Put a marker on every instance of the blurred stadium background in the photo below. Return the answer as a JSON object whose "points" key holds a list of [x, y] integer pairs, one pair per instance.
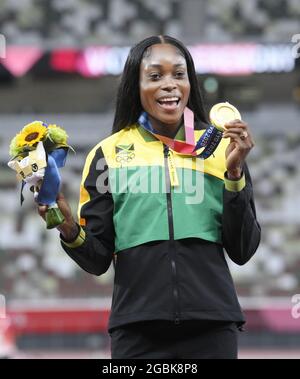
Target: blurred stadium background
{"points": [[62, 65]]}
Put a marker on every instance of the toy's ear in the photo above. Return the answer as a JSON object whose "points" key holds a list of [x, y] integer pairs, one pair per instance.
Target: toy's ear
{"points": [[40, 150], [38, 156], [13, 165]]}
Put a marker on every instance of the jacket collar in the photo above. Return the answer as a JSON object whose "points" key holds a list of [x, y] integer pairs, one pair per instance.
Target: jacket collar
{"points": [[149, 137]]}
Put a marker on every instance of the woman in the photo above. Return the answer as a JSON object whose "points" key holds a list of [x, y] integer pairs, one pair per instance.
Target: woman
{"points": [[173, 292]]}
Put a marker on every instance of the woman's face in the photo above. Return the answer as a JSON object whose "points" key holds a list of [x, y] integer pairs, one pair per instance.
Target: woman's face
{"points": [[164, 85]]}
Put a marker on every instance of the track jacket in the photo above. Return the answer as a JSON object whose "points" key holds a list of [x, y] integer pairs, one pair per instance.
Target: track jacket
{"points": [[165, 220]]}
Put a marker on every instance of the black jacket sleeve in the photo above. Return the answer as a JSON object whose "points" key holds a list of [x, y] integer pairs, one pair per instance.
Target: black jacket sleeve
{"points": [[241, 230], [95, 250]]}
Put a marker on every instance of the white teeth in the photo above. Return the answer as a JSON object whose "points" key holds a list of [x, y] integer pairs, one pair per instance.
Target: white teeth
{"points": [[168, 99]]}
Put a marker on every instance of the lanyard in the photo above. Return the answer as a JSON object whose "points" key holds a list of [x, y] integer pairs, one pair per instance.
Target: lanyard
{"points": [[209, 140]]}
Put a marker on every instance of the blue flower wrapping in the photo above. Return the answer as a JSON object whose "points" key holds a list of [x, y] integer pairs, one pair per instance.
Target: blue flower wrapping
{"points": [[52, 179]]}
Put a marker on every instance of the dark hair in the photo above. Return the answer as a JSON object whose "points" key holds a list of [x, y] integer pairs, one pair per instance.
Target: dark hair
{"points": [[129, 107]]}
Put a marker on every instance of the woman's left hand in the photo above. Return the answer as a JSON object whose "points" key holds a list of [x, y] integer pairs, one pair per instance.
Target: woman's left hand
{"points": [[239, 147]]}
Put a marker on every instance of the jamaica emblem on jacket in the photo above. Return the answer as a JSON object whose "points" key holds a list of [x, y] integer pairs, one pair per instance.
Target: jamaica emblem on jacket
{"points": [[124, 153]]}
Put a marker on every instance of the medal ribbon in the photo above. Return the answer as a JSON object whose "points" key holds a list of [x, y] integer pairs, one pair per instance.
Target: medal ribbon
{"points": [[209, 140]]}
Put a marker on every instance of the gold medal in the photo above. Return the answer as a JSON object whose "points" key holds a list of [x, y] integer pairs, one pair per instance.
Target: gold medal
{"points": [[222, 113]]}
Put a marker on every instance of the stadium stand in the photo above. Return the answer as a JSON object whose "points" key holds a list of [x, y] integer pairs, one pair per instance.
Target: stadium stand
{"points": [[80, 22]]}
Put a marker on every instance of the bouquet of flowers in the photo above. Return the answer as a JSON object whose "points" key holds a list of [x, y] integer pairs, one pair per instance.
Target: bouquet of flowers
{"points": [[37, 152]]}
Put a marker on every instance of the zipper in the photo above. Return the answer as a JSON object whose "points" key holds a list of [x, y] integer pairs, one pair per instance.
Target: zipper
{"points": [[167, 158]]}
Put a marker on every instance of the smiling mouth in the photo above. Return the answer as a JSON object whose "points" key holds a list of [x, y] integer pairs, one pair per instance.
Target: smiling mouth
{"points": [[169, 103]]}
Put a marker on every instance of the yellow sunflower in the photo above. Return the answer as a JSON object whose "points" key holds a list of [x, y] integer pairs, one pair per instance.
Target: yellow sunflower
{"points": [[31, 134]]}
